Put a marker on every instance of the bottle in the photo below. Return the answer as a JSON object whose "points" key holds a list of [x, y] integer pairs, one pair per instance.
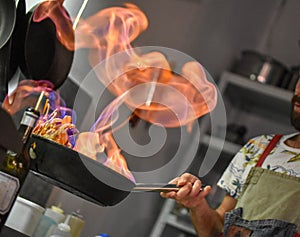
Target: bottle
{"points": [[15, 167], [76, 223], [102, 235], [63, 229], [56, 213], [51, 218]]}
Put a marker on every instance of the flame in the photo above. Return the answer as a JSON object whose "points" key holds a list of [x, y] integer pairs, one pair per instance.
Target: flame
{"points": [[111, 31], [54, 10], [145, 82], [162, 100], [116, 161], [88, 143], [160, 106], [100, 145]]}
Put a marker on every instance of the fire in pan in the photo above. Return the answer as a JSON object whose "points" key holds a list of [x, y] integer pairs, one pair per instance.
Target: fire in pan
{"points": [[83, 176]]}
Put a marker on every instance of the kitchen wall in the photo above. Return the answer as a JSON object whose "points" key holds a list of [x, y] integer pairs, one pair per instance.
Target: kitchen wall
{"points": [[214, 32]]}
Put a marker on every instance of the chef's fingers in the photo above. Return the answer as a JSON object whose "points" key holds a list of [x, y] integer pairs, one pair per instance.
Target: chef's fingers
{"points": [[196, 188], [180, 194], [170, 194], [190, 190], [184, 191], [186, 178], [194, 198], [186, 184]]}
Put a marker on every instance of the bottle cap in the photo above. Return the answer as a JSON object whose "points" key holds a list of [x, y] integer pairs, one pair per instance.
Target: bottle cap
{"points": [[77, 214], [102, 235], [55, 213], [57, 209], [64, 227]]}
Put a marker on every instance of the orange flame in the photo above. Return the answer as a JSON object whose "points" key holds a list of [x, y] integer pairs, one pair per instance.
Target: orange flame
{"points": [[116, 161], [88, 144], [167, 99], [199, 95], [109, 31]]}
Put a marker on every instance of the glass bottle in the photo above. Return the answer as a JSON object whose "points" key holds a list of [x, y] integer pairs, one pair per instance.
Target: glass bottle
{"points": [[15, 167]]}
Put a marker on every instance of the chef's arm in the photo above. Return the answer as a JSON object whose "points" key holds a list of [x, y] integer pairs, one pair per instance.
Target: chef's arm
{"points": [[207, 221]]}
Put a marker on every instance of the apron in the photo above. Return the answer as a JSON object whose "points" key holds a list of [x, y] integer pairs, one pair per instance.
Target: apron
{"points": [[259, 214]]}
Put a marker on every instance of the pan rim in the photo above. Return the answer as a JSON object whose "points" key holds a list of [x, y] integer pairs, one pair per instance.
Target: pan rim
{"points": [[7, 5]]}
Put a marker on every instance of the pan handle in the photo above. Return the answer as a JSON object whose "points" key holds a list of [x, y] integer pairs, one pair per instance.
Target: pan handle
{"points": [[156, 187]]}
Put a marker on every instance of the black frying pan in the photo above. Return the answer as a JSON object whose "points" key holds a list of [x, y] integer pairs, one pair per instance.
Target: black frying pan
{"points": [[18, 38], [7, 20], [77, 173], [7, 23], [44, 56], [82, 175]]}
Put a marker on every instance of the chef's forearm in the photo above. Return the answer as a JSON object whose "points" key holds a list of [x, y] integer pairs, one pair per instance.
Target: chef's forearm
{"points": [[207, 222]]}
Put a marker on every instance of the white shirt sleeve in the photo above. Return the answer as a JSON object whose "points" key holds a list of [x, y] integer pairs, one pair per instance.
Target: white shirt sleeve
{"points": [[234, 177]]}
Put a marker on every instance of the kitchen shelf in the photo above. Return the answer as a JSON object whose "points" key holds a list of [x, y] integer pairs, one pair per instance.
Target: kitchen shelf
{"points": [[166, 217], [254, 96], [255, 87]]}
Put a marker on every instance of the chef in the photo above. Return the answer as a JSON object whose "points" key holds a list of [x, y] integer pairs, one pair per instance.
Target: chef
{"points": [[262, 183]]}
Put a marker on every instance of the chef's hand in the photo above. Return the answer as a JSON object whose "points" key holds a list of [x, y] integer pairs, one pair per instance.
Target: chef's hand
{"points": [[26, 95], [191, 194]]}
